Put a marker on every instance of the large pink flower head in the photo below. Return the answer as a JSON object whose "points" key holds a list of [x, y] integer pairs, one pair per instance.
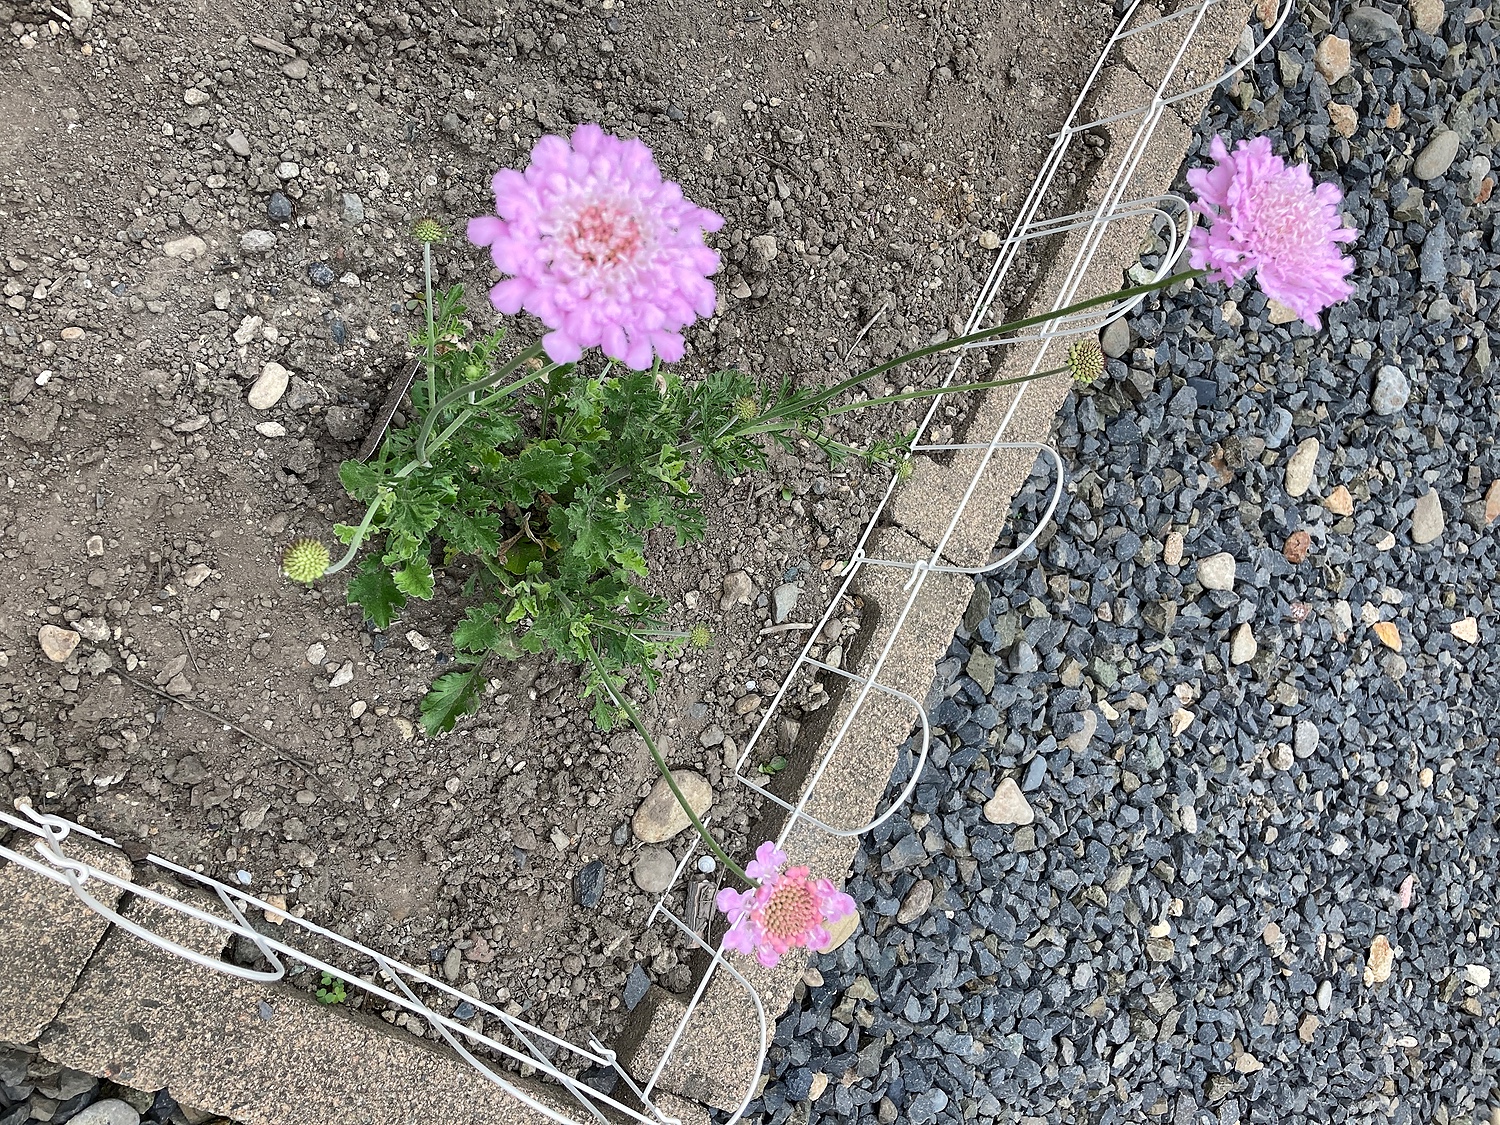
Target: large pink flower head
{"points": [[600, 248], [786, 908], [1268, 217]]}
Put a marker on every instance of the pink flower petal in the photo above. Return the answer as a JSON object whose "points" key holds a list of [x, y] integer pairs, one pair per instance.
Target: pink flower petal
{"points": [[1268, 218], [605, 252]]}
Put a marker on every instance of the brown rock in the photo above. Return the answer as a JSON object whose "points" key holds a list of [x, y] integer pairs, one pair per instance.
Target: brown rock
{"points": [[1427, 15], [1009, 805], [1298, 544], [1340, 502], [840, 931], [1248, 1064], [1277, 313], [1332, 58], [1307, 1028], [916, 903], [1466, 629], [660, 817], [1492, 503], [1389, 635], [1381, 961], [1344, 118]]}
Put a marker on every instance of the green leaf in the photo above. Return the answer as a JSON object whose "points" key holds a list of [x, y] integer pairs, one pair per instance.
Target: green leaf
{"points": [[492, 430], [631, 559], [521, 555], [544, 466], [475, 534], [416, 508], [359, 479], [415, 579], [374, 591], [450, 698], [478, 632], [399, 546]]}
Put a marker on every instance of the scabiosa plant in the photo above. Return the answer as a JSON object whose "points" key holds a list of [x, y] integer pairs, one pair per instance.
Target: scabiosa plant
{"points": [[786, 908], [1266, 217], [529, 478], [600, 249]]}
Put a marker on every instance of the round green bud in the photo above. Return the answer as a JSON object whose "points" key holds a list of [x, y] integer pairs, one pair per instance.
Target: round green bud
{"points": [[427, 230], [746, 408], [1085, 360], [904, 469], [700, 637], [306, 560]]}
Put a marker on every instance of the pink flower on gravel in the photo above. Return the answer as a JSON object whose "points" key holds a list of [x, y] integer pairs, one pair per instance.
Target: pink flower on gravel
{"points": [[600, 248], [786, 909], [1267, 217]]}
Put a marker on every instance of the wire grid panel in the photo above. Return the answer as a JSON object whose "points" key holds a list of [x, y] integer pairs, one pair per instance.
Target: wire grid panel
{"points": [[394, 983], [1170, 216], [521, 1042]]}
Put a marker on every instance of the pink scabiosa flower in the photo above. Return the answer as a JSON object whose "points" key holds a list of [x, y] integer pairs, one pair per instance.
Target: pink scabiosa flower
{"points": [[600, 248], [1267, 217], [785, 910]]}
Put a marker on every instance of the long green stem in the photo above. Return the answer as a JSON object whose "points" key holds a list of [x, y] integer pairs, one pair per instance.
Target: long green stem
{"points": [[430, 358], [359, 537], [931, 392], [999, 330], [776, 425], [661, 764]]}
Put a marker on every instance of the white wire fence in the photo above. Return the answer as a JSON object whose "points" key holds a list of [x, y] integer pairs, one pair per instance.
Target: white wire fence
{"points": [[40, 839]]}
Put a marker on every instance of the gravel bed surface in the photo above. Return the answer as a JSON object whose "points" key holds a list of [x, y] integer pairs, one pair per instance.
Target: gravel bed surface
{"points": [[1237, 715]]}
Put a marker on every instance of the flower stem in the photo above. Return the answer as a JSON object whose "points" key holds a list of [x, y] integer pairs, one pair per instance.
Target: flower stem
{"points": [[661, 764], [999, 330], [930, 392], [430, 359], [775, 425], [359, 537]]}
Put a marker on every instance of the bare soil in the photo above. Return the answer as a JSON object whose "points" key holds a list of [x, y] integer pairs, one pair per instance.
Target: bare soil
{"points": [[204, 715]]}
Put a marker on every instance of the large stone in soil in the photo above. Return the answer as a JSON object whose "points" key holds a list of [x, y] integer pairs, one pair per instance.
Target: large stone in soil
{"points": [[57, 644], [660, 817]]}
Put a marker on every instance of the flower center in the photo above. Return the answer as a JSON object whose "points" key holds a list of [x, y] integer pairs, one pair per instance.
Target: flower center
{"points": [[603, 236], [1284, 220], [791, 910]]}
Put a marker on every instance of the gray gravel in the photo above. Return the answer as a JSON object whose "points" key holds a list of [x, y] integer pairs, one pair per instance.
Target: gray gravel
{"points": [[34, 1091], [1255, 892]]}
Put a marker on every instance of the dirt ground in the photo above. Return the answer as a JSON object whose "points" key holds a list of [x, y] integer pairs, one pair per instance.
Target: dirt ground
{"points": [[222, 717]]}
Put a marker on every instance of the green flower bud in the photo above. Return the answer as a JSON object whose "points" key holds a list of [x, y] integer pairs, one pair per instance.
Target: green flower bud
{"points": [[746, 408], [904, 469], [1085, 360], [427, 230], [306, 560], [700, 637]]}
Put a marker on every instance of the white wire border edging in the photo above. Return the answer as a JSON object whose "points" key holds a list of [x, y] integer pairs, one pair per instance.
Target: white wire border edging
{"points": [[49, 832]]}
